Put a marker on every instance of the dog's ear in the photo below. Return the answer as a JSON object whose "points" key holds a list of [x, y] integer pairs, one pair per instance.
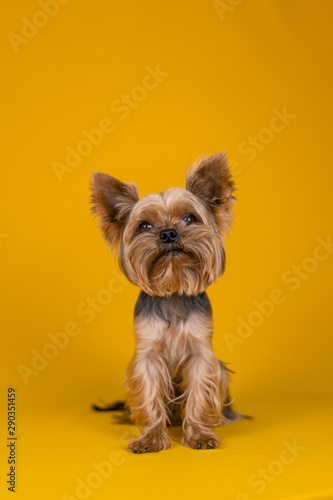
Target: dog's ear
{"points": [[210, 180], [112, 202]]}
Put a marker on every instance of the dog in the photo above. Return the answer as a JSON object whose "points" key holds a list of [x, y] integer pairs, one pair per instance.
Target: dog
{"points": [[171, 245]]}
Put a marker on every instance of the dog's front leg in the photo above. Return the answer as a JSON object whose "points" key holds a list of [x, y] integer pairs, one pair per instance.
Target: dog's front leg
{"points": [[205, 384], [149, 385]]}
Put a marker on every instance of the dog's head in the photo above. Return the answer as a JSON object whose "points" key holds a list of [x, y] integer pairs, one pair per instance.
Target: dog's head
{"points": [[169, 242]]}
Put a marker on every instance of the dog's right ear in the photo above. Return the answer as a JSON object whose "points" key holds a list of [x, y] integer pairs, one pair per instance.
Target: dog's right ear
{"points": [[112, 202], [210, 180]]}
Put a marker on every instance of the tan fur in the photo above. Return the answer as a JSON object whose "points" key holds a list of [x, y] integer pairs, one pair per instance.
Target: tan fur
{"points": [[210, 179], [157, 274], [169, 349], [112, 202], [162, 353]]}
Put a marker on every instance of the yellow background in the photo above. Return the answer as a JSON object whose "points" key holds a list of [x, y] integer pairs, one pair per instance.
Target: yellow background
{"points": [[227, 73]]}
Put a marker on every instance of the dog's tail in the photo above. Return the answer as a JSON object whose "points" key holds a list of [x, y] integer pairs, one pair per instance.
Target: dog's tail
{"points": [[117, 406], [230, 414], [120, 406]]}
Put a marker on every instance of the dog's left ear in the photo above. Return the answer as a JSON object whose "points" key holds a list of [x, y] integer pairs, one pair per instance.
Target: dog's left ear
{"points": [[112, 202], [210, 180]]}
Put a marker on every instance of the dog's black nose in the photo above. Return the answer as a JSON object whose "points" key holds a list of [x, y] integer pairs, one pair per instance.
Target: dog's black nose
{"points": [[168, 235]]}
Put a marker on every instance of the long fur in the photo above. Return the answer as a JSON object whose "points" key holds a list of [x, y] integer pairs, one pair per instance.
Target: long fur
{"points": [[174, 364]]}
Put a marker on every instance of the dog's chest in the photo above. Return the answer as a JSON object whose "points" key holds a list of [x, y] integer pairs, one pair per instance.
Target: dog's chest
{"points": [[175, 344], [172, 325]]}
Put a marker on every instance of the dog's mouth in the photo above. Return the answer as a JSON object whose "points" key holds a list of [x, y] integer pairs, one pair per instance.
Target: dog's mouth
{"points": [[174, 251], [167, 253], [171, 253]]}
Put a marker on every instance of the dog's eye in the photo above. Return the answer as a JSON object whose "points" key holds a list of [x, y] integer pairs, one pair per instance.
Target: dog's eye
{"points": [[189, 218], [145, 226]]}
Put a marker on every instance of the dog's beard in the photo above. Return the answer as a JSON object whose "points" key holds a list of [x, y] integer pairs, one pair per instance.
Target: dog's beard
{"points": [[175, 271], [187, 267]]}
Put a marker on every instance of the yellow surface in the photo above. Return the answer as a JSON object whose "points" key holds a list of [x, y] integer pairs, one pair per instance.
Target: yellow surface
{"points": [[227, 71]]}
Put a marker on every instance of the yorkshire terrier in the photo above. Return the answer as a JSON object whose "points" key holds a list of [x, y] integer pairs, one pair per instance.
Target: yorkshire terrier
{"points": [[171, 245]]}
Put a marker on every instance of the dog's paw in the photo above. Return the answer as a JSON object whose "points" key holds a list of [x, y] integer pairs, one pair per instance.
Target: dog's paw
{"points": [[201, 441], [150, 443]]}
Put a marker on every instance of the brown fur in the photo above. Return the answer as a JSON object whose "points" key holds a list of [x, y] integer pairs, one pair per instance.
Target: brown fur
{"points": [[173, 338]]}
